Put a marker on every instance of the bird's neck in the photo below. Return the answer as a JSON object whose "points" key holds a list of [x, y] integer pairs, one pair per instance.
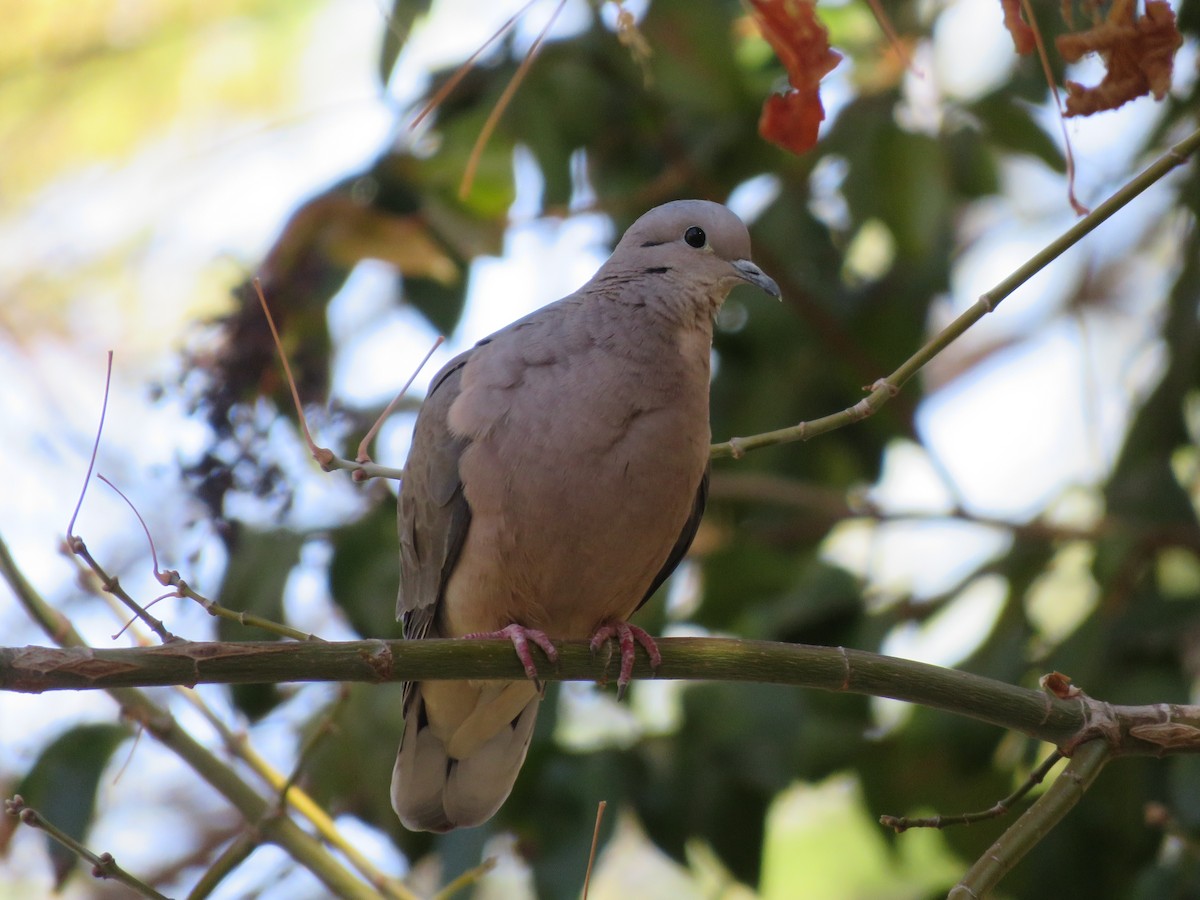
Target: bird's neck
{"points": [[672, 324]]}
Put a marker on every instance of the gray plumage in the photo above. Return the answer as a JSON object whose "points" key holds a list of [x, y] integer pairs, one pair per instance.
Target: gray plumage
{"points": [[557, 476]]}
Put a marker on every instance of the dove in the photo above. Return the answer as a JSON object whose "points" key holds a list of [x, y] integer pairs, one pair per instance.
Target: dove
{"points": [[557, 475]]}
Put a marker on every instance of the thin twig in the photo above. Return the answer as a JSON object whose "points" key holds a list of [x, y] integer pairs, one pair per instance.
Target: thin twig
{"points": [[510, 90], [95, 449], [103, 864], [323, 455], [75, 545], [141, 521], [250, 620], [318, 453], [886, 388], [367, 469], [1024, 834], [466, 879], [227, 861], [587, 877], [129, 622], [1068, 153], [461, 72], [111, 584], [1001, 807], [363, 455], [171, 578]]}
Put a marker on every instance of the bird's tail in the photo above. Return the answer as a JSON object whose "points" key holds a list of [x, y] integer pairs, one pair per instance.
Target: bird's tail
{"points": [[463, 745]]}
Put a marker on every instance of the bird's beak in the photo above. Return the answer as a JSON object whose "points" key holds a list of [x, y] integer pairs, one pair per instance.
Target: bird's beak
{"points": [[752, 274]]}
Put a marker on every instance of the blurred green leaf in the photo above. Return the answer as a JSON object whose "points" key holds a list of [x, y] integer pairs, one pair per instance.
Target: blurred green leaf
{"points": [[400, 20], [364, 571], [916, 204], [350, 768], [717, 775], [1008, 122], [260, 563]]}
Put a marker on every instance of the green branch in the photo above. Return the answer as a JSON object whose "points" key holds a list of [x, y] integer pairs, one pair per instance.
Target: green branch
{"points": [[886, 388], [1035, 823], [1151, 729]]}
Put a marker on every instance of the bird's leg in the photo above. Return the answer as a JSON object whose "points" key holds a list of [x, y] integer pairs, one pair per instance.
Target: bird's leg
{"points": [[520, 637], [626, 635]]}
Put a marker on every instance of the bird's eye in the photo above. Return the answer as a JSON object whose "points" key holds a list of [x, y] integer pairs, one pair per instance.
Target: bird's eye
{"points": [[695, 237]]}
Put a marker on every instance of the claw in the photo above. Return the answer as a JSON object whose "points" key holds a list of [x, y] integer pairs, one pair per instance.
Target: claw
{"points": [[626, 635], [520, 637]]}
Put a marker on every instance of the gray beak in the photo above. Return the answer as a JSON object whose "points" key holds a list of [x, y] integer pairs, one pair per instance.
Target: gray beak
{"points": [[752, 274]]}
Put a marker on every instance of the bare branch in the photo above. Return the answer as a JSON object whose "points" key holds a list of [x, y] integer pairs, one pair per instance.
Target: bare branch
{"points": [[183, 589], [75, 545]]}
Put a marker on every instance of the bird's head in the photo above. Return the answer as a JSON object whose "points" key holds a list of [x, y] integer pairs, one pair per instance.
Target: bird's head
{"points": [[693, 240]]}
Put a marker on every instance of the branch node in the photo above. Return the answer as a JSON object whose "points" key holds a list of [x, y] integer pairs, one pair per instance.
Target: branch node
{"points": [[1099, 721], [381, 660], [882, 384], [860, 410], [324, 457]]}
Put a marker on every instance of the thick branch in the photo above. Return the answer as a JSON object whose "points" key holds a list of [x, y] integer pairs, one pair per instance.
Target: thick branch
{"points": [[1155, 729]]}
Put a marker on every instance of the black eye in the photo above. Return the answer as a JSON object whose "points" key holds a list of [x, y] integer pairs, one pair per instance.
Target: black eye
{"points": [[695, 237]]}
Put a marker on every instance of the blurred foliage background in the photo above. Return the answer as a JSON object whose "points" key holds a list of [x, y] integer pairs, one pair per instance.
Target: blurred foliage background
{"points": [[1028, 504]]}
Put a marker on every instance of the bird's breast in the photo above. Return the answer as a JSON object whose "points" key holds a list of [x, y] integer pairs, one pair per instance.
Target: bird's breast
{"points": [[580, 478]]}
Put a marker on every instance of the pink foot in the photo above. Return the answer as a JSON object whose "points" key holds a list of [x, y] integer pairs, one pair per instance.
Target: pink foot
{"points": [[520, 637], [626, 635]]}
